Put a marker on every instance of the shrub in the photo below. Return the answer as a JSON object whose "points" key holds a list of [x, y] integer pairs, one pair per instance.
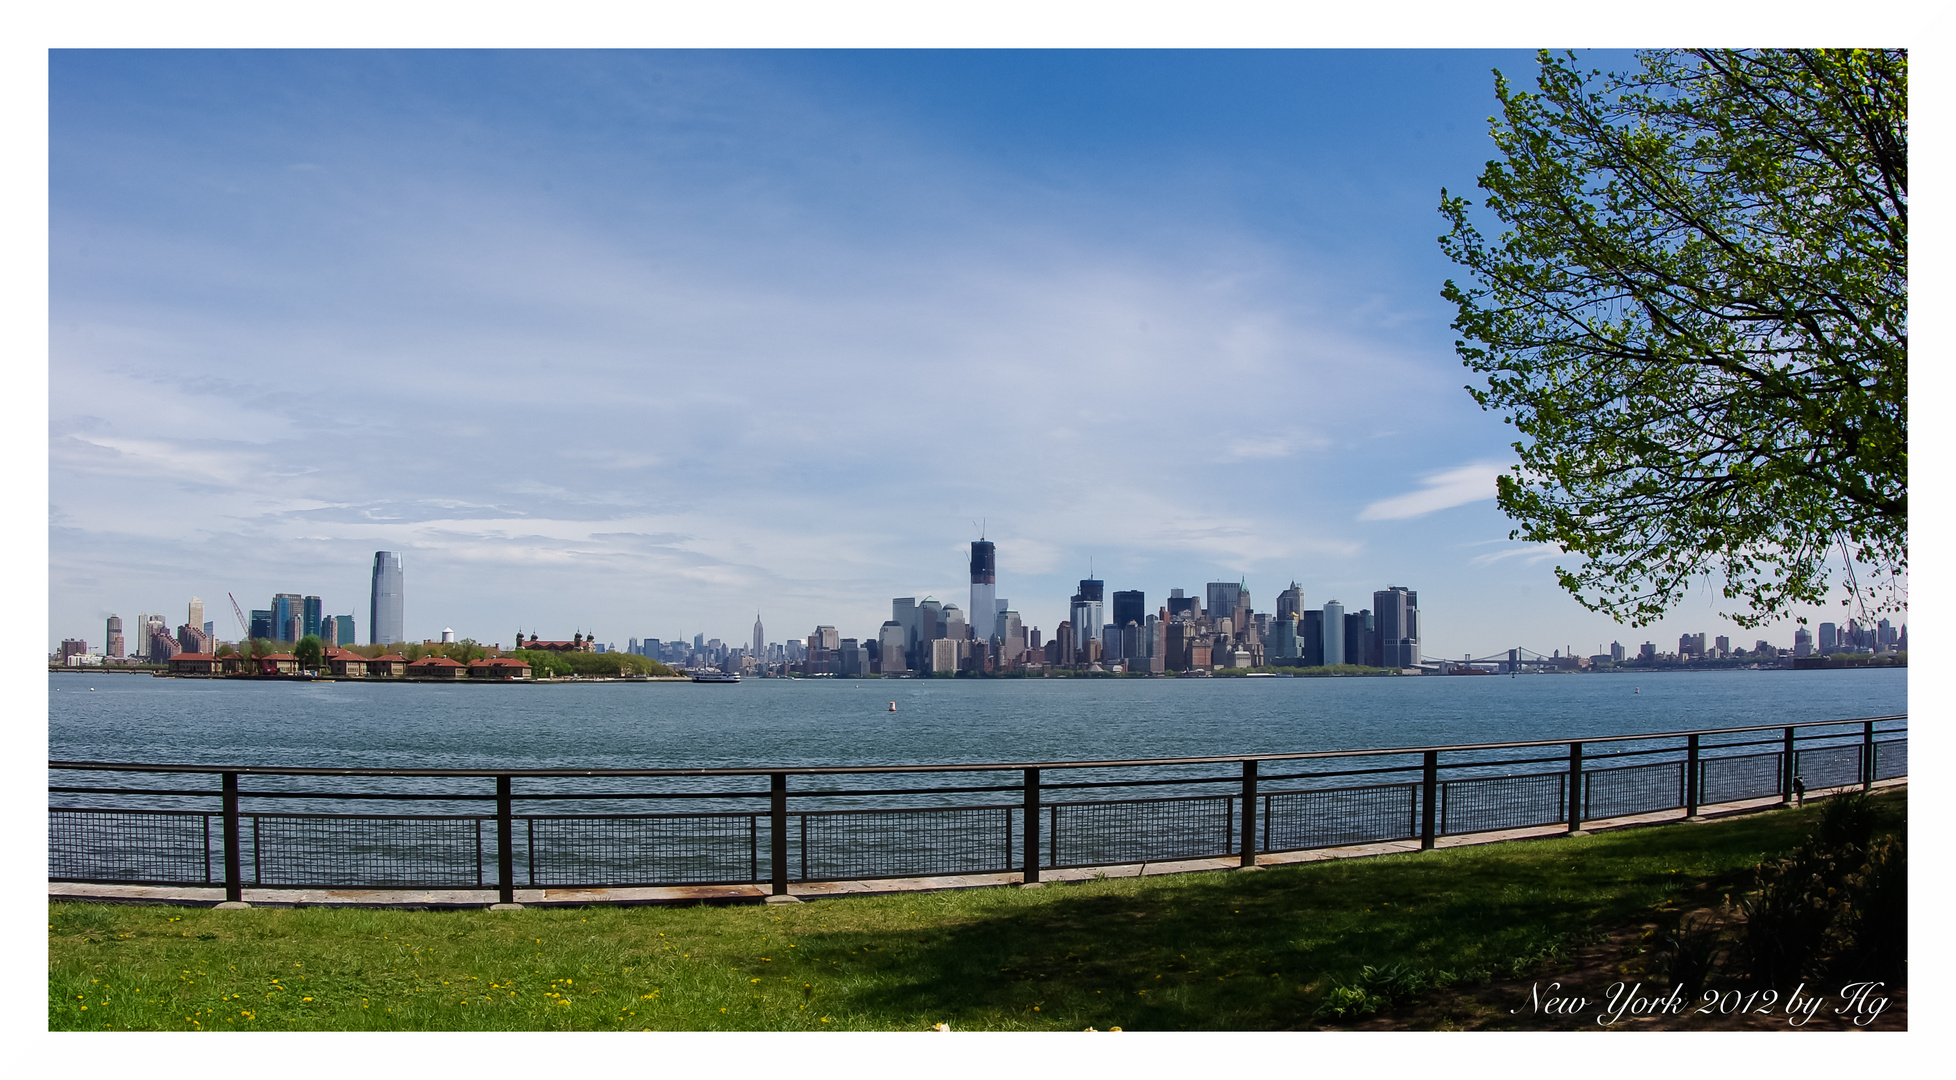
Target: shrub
{"points": [[1838, 904], [1873, 931], [1379, 988]]}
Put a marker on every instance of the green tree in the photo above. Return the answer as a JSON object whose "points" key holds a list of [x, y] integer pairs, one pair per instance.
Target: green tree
{"points": [[261, 647], [1696, 317], [308, 651]]}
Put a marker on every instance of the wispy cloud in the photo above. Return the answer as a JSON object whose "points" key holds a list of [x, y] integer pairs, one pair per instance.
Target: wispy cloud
{"points": [[1530, 555], [1454, 487], [1280, 445]]}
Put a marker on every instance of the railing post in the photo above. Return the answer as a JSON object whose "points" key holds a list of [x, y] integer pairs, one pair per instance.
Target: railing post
{"points": [[1032, 827], [777, 817], [1249, 814], [505, 842], [1691, 769], [1786, 770], [1575, 787], [1430, 797], [233, 865], [1867, 756]]}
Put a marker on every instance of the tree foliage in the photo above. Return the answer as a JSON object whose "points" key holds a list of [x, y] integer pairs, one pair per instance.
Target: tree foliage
{"points": [[308, 651], [1697, 319], [612, 664]]}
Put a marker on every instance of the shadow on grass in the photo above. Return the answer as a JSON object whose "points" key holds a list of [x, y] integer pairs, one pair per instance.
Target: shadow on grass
{"points": [[1258, 951]]}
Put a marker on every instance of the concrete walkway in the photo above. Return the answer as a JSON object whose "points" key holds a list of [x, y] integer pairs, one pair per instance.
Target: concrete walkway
{"points": [[811, 890]]}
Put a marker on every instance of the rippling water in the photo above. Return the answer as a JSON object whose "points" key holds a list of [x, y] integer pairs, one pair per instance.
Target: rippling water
{"points": [[101, 717]]}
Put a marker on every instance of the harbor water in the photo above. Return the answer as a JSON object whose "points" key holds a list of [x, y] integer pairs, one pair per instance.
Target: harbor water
{"points": [[93, 716]]}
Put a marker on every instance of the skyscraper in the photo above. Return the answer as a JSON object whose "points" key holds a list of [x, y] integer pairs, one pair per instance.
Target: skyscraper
{"points": [[1334, 632], [930, 627], [1358, 637], [1130, 606], [1395, 618], [760, 639], [893, 639], [343, 629], [1088, 606], [113, 644], [1290, 602], [196, 618], [1011, 636], [288, 616], [315, 611], [1283, 639], [1224, 598], [984, 588], [386, 622]]}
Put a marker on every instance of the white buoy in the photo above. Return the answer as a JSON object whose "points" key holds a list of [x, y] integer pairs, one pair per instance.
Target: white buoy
{"points": [[1636, 689], [892, 706]]}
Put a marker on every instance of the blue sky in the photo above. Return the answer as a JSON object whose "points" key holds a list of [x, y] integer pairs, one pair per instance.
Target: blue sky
{"points": [[641, 343]]}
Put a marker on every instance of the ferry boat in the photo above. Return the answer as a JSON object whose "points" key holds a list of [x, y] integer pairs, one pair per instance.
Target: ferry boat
{"points": [[705, 675]]}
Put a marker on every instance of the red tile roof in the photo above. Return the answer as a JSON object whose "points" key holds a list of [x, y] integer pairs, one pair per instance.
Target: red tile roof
{"points": [[435, 661], [194, 656]]}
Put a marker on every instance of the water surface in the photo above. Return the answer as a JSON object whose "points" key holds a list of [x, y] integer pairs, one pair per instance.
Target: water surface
{"points": [[104, 717]]}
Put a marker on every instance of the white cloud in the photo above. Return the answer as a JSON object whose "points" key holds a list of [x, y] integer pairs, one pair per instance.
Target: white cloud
{"points": [[1280, 445], [1530, 555], [1454, 487]]}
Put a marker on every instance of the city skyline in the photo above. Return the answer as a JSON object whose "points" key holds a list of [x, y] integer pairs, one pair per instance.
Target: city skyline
{"points": [[1182, 308], [1388, 634]]}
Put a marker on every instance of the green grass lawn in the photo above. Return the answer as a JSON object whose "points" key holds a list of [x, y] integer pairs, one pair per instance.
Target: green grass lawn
{"points": [[1195, 951]]}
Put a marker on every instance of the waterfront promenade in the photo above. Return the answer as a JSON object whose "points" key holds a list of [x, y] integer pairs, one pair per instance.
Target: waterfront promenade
{"points": [[753, 893], [276, 835]]}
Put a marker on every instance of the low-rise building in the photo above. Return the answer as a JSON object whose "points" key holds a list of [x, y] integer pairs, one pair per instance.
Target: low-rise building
{"points": [[196, 663], [387, 666], [577, 643], [436, 667], [499, 667], [281, 663], [346, 665]]}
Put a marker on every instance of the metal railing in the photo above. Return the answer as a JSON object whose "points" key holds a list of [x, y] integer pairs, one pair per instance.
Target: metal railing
{"points": [[278, 827]]}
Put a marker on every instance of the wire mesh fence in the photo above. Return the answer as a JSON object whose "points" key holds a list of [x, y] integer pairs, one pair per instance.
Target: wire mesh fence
{"points": [[423, 852], [1336, 817], [140, 824], [143, 847], [641, 849], [1633, 789], [1503, 802], [1731, 779], [842, 844], [1827, 767], [1139, 830], [1891, 759]]}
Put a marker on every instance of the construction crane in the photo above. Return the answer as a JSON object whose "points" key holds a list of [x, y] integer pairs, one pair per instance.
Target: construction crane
{"points": [[243, 626]]}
